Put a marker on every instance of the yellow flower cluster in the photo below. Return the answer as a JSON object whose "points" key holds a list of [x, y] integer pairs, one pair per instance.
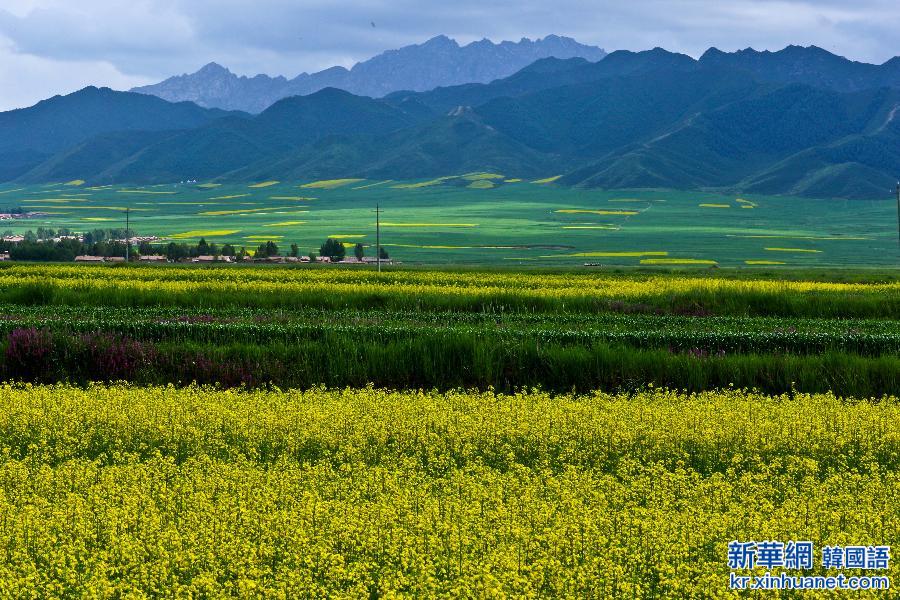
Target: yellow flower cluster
{"points": [[132, 492]]}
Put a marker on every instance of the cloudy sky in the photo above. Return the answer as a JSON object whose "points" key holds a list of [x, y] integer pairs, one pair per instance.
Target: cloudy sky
{"points": [[49, 47]]}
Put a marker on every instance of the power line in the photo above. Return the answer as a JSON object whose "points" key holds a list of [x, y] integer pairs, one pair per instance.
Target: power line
{"points": [[378, 236], [127, 238]]}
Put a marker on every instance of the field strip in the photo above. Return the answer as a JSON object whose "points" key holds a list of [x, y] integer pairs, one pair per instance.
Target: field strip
{"points": [[241, 211], [231, 197], [376, 184], [603, 254], [585, 211], [607, 227], [329, 184], [204, 233], [677, 261], [807, 250], [799, 237], [427, 224], [151, 192]]}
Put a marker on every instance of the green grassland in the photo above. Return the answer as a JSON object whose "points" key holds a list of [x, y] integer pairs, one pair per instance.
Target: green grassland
{"points": [[480, 220]]}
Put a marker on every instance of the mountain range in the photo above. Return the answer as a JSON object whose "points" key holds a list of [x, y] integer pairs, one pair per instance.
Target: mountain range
{"points": [[438, 62], [800, 121]]}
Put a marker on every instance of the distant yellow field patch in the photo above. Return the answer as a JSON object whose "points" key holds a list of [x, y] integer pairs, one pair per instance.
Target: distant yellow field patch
{"points": [[763, 262], [677, 261], [233, 196], [747, 206], [371, 185], [11, 191], [99, 219], [422, 184], [263, 238], [297, 198], [330, 184], [707, 205], [632, 200], [154, 192], [547, 180], [263, 184], [579, 211], [76, 182], [239, 211], [347, 236], [428, 224], [204, 233], [285, 224], [482, 176], [513, 180], [209, 186], [807, 250], [481, 184]]}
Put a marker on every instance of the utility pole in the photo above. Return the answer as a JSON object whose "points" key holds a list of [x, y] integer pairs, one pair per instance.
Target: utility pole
{"points": [[127, 238], [378, 233]]}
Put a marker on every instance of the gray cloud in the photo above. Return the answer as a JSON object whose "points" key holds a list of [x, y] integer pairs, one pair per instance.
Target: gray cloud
{"points": [[145, 40]]}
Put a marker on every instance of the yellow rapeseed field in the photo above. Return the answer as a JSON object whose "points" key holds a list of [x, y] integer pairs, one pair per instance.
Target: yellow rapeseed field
{"points": [[133, 492], [330, 184], [285, 285], [547, 180]]}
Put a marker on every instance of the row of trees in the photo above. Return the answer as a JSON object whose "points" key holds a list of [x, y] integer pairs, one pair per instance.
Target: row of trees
{"points": [[41, 247]]}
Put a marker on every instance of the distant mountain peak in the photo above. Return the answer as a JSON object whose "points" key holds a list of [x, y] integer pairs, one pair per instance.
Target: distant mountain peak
{"points": [[213, 68], [440, 40], [438, 62]]}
